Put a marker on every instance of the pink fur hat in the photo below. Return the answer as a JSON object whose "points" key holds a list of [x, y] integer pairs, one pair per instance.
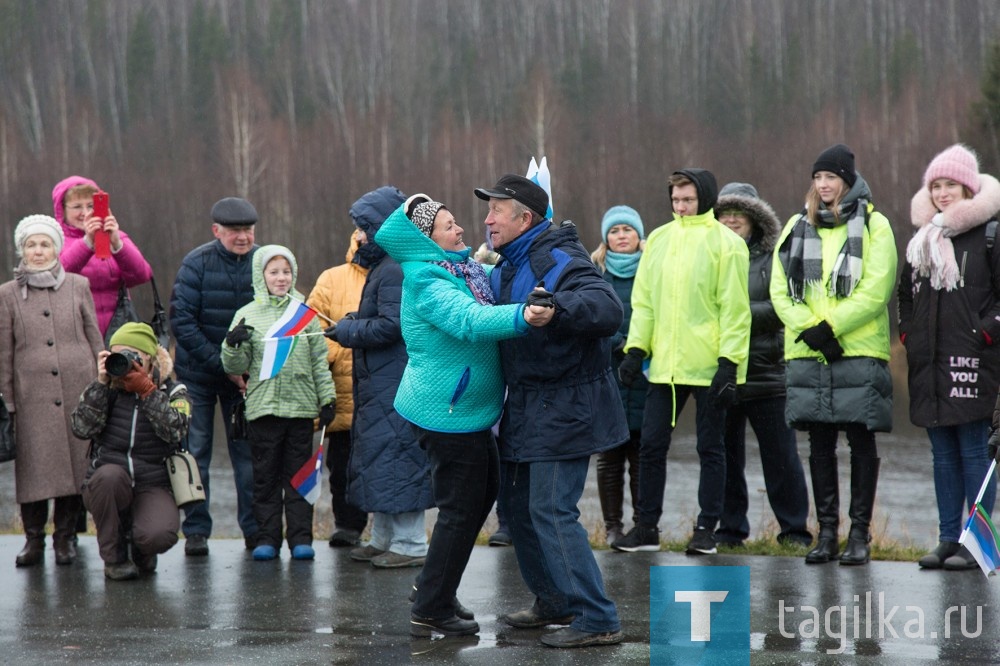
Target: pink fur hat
{"points": [[957, 163]]}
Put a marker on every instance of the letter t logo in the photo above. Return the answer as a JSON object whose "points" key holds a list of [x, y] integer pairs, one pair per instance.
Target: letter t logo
{"points": [[701, 607]]}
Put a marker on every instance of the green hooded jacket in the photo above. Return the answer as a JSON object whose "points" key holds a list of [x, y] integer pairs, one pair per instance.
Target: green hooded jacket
{"points": [[303, 384]]}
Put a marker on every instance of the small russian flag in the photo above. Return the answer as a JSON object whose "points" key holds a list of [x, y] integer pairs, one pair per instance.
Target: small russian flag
{"points": [[307, 480], [279, 341]]}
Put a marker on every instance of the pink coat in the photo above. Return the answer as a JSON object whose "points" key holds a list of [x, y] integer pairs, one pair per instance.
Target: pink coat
{"points": [[104, 275]]}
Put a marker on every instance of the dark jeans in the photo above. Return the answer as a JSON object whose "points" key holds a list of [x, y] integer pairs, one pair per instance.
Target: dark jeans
{"points": [[465, 477], [197, 520], [553, 552], [280, 448], [150, 512], [784, 478], [338, 452], [657, 428], [960, 465]]}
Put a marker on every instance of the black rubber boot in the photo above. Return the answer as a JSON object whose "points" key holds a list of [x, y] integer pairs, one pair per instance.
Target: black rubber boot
{"points": [[610, 490], [864, 479], [826, 494], [65, 516], [34, 515]]}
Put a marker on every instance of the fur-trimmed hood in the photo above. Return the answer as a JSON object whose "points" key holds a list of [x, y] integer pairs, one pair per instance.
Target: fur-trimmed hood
{"points": [[766, 225], [166, 363], [962, 215]]}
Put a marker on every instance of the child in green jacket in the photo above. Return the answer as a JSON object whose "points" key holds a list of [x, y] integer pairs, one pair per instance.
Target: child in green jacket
{"points": [[288, 384]]}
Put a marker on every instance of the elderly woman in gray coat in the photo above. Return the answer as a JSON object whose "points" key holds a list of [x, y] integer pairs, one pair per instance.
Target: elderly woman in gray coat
{"points": [[49, 341]]}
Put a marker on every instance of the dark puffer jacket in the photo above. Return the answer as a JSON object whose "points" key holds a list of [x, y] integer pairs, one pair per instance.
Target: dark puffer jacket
{"points": [[953, 372], [212, 284], [766, 368], [388, 472], [562, 401], [634, 396]]}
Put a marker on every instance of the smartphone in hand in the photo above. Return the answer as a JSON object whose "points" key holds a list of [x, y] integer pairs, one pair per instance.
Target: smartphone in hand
{"points": [[102, 208]]}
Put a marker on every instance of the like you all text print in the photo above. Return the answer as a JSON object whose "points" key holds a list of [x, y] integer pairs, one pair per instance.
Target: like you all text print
{"points": [[964, 376]]}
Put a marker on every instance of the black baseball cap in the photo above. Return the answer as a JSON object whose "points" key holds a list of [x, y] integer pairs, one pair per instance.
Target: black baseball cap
{"points": [[520, 189]]}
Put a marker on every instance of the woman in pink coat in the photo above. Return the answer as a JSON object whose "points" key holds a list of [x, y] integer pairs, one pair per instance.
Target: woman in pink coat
{"points": [[73, 205]]}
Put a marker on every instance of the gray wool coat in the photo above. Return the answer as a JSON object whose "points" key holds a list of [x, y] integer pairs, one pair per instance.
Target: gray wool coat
{"points": [[48, 354]]}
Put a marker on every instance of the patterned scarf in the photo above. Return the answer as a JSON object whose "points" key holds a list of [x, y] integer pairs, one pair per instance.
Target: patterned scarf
{"points": [[51, 277], [803, 249], [622, 265], [474, 275]]}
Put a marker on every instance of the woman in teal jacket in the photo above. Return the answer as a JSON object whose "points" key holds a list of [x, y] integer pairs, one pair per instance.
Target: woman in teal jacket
{"points": [[833, 275], [280, 406], [452, 391]]}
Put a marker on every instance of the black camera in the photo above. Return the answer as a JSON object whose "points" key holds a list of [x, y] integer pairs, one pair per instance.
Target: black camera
{"points": [[117, 364]]}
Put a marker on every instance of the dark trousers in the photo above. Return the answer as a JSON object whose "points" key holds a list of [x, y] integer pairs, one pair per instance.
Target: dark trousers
{"points": [[661, 406], [784, 478], [465, 477], [338, 452], [150, 512], [280, 447], [823, 440]]}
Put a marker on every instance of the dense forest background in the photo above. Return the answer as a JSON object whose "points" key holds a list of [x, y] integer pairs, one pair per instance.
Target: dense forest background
{"points": [[302, 106]]}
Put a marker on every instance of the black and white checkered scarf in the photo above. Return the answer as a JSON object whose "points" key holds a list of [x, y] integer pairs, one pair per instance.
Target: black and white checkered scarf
{"points": [[803, 249]]}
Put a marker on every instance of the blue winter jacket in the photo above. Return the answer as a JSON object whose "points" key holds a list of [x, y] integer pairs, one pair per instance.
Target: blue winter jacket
{"points": [[388, 472], [212, 284], [562, 400], [453, 381]]}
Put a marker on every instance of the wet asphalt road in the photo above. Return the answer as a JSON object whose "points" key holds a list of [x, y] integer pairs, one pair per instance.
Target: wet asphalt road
{"points": [[228, 609]]}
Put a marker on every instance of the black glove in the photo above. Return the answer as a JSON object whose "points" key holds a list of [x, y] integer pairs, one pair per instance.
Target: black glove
{"points": [[832, 350], [541, 297], [331, 332], [631, 366], [817, 336], [722, 392], [993, 444], [326, 414], [239, 334]]}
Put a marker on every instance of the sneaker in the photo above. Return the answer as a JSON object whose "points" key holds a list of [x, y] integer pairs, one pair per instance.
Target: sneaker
{"points": [[452, 626], [530, 618], [961, 560], [612, 534], [936, 558], [344, 538], [702, 542], [365, 553], [568, 637], [265, 552], [121, 571], [391, 560], [460, 610], [196, 545], [500, 538], [639, 538], [303, 551]]}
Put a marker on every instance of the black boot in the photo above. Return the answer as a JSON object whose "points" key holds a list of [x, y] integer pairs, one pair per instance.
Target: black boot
{"points": [[610, 490], [34, 515], [67, 512], [826, 494], [864, 479]]}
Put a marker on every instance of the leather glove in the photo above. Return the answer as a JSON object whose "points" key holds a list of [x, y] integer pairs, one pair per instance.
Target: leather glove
{"points": [[816, 336], [541, 297], [722, 391], [326, 414], [631, 366], [137, 381], [239, 334], [330, 332], [994, 444], [832, 350]]}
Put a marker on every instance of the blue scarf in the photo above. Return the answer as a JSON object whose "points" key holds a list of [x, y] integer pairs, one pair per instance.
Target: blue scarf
{"points": [[461, 266], [622, 265]]}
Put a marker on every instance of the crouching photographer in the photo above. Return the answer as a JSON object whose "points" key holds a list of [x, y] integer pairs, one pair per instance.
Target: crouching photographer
{"points": [[135, 416]]}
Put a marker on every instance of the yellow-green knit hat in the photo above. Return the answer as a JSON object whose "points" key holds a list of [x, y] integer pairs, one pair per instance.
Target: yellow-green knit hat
{"points": [[136, 335]]}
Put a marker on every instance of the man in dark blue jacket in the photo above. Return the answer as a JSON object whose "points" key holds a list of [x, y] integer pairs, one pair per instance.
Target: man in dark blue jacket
{"points": [[213, 282], [562, 407]]}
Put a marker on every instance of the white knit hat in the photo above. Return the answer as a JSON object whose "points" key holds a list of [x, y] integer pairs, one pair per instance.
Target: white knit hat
{"points": [[37, 224]]}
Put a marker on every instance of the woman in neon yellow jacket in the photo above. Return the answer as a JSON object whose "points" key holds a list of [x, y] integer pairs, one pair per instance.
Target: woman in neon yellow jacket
{"points": [[834, 272]]}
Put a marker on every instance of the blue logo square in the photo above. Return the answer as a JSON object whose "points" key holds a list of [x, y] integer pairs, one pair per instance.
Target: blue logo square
{"points": [[699, 615]]}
